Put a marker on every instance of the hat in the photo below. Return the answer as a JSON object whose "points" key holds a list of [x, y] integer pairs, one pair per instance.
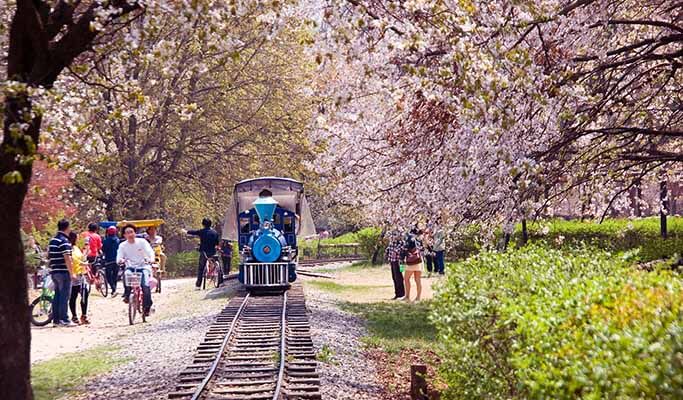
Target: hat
{"points": [[111, 230]]}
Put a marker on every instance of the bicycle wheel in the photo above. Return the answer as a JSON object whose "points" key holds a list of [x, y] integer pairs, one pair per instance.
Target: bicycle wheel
{"points": [[101, 283], [41, 311], [206, 272], [132, 307], [218, 272]]}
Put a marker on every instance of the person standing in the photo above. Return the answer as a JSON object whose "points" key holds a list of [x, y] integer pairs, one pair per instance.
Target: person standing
{"points": [[439, 249], [156, 241], [393, 255], [413, 263], [78, 283], [110, 246], [138, 253], [226, 255], [61, 272], [93, 243], [208, 243], [428, 254]]}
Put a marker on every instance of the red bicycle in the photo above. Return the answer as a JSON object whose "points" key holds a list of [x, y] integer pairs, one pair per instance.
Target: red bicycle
{"points": [[135, 299], [211, 271], [95, 277]]}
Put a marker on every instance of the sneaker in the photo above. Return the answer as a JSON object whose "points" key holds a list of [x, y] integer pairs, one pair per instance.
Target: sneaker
{"points": [[197, 288], [68, 324], [74, 319], [114, 294], [84, 320], [398, 298], [125, 299], [147, 313]]}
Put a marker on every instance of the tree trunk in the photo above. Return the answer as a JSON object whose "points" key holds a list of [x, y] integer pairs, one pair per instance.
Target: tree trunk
{"points": [[663, 206], [525, 232], [15, 345]]}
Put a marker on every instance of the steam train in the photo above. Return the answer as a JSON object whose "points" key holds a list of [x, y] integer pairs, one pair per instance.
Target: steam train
{"points": [[266, 218]]}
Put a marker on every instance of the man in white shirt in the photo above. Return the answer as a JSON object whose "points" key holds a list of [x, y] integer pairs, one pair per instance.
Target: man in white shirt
{"points": [[136, 253]]}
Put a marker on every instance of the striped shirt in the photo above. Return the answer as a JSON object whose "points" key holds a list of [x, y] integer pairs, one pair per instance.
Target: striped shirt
{"points": [[58, 247]]}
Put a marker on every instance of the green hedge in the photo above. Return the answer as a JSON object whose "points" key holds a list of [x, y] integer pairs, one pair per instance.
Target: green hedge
{"points": [[367, 238], [182, 264], [615, 235], [541, 323]]}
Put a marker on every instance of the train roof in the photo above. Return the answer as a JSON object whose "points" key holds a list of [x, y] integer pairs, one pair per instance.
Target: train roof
{"points": [[272, 183]]}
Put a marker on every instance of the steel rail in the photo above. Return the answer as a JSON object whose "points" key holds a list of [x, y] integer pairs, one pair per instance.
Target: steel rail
{"points": [[283, 329], [219, 355]]}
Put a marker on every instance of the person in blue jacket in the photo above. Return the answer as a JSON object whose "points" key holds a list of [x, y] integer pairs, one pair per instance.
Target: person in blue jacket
{"points": [[208, 245], [109, 247]]}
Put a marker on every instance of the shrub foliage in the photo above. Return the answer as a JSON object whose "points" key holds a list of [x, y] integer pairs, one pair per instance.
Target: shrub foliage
{"points": [[544, 323]]}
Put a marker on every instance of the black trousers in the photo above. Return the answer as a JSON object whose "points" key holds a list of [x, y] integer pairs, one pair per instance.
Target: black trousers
{"points": [[431, 263], [112, 273], [85, 293], [226, 265], [397, 276], [200, 269]]}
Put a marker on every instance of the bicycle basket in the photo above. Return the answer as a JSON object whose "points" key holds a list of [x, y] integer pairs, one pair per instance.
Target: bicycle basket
{"points": [[133, 280]]}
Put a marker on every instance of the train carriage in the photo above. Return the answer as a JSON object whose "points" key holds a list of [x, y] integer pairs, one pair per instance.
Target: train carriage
{"points": [[267, 217]]}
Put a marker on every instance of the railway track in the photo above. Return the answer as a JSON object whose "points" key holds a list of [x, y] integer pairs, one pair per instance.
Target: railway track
{"points": [[259, 348]]}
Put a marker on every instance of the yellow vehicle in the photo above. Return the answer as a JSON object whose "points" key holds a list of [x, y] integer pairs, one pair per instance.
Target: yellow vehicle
{"points": [[147, 228]]}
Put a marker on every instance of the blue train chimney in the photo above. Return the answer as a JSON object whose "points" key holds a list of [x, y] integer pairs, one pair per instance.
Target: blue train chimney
{"points": [[265, 208]]}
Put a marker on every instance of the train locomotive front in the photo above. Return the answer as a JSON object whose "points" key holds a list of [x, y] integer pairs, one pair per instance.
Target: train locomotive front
{"points": [[267, 216]]}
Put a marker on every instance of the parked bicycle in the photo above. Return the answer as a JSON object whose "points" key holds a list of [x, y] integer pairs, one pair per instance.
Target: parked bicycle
{"points": [[41, 307], [211, 271], [95, 277]]}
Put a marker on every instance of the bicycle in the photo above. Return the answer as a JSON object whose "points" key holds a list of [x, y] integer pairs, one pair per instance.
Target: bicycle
{"points": [[41, 307], [98, 279], [211, 271], [135, 299]]}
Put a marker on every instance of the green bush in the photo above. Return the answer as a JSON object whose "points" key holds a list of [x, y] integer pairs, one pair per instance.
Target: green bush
{"points": [[182, 264], [542, 323], [615, 235], [367, 238]]}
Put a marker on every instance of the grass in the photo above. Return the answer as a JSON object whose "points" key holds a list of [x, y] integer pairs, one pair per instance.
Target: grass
{"points": [[60, 376], [396, 326], [337, 288], [354, 267]]}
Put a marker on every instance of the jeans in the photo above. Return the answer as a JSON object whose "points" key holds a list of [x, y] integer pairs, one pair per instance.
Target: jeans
{"points": [[111, 272], [439, 262], [429, 260], [144, 284], [397, 276], [60, 301]]}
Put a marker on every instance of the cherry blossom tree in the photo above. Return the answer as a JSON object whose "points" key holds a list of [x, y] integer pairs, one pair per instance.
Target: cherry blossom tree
{"points": [[494, 111]]}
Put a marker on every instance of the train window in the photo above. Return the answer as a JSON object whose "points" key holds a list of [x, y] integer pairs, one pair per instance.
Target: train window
{"points": [[254, 219], [277, 220], [289, 224], [244, 225]]}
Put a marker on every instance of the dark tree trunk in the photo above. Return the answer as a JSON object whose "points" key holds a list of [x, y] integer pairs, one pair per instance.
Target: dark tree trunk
{"points": [[663, 207], [39, 49], [15, 331], [525, 232]]}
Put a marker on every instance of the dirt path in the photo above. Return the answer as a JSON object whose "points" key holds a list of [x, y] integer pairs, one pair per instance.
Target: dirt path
{"points": [[109, 319]]}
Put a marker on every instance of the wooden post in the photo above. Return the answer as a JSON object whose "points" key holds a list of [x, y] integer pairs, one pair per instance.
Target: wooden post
{"points": [[525, 232], [663, 206], [418, 383]]}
